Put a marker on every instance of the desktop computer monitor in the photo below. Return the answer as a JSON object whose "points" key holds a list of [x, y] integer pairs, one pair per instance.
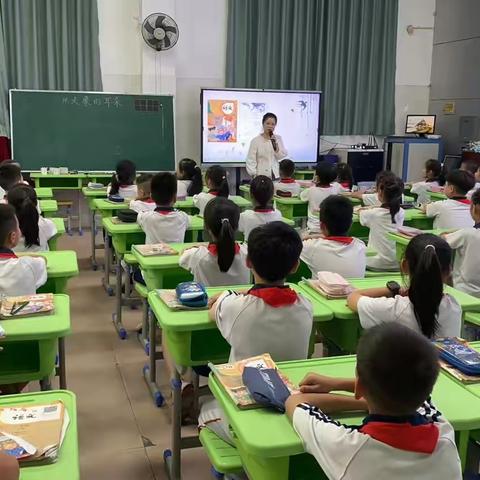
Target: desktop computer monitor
{"points": [[420, 124]]}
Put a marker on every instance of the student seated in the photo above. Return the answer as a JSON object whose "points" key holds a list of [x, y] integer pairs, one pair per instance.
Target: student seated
{"points": [[223, 261], [381, 220], [325, 175], [477, 183], [36, 230], [287, 186], [143, 201], [469, 166], [344, 181], [432, 173], [164, 224], [403, 436], [216, 180], [334, 250], [18, 275], [371, 199], [423, 306], [189, 178], [9, 468], [269, 317], [10, 175], [123, 180], [455, 211], [261, 193], [466, 243]]}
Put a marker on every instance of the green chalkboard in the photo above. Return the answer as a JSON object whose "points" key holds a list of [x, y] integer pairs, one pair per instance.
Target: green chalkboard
{"points": [[91, 130]]}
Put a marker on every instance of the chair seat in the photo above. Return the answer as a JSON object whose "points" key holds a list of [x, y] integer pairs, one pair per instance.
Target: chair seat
{"points": [[223, 457]]}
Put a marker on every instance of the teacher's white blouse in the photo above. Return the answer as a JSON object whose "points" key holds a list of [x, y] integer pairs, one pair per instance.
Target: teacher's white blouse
{"points": [[262, 159]]}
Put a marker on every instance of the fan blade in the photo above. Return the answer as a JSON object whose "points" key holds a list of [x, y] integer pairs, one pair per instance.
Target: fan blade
{"points": [[148, 27], [156, 44], [159, 21], [170, 29], [166, 42]]}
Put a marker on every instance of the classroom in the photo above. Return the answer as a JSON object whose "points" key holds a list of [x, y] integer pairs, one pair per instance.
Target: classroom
{"points": [[239, 239]]}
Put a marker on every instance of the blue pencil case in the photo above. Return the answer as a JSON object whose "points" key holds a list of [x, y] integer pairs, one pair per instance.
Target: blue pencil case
{"points": [[116, 198], [192, 294], [457, 353]]}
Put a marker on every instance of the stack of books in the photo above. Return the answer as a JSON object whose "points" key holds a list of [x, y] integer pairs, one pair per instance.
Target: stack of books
{"points": [[331, 285]]}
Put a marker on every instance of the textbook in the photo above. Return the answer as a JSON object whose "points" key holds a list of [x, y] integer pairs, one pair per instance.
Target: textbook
{"points": [[456, 373], [410, 232], [33, 433], [331, 285], [169, 298], [26, 306], [230, 376], [155, 249]]}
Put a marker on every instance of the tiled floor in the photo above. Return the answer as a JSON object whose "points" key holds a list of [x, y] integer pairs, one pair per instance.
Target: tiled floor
{"points": [[122, 435]]}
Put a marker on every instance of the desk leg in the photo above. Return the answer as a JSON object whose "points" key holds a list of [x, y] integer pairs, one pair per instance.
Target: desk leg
{"points": [[62, 371], [80, 229], [106, 273], [94, 231], [117, 316], [406, 154], [463, 438], [173, 458], [150, 370]]}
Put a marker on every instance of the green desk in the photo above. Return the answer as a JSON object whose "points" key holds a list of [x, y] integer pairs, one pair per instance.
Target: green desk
{"points": [[43, 193], [100, 177], [345, 330], [67, 463], [291, 207], [245, 191], [437, 196], [401, 241], [304, 174], [30, 345], [91, 193], [60, 224], [48, 207], [270, 448], [69, 181], [192, 339]]}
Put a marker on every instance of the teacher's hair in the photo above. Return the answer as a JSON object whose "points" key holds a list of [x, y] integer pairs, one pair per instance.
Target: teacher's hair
{"points": [[269, 115]]}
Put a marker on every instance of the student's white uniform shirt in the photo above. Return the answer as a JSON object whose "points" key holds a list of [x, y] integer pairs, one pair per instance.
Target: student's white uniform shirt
{"points": [[22, 275], [473, 190], [315, 196], [252, 326], [331, 255], [293, 188], [202, 262], [200, 201], [420, 189], [371, 200], [249, 219], [376, 311], [466, 266], [450, 214], [142, 205], [2, 193], [182, 188], [383, 447], [262, 159], [166, 226], [340, 187], [380, 223], [128, 192], [46, 230]]}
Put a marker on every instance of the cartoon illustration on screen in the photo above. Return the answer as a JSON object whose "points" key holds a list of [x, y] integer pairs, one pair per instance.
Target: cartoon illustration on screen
{"points": [[222, 121]]}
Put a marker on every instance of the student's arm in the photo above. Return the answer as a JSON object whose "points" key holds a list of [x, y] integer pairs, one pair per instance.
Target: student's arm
{"points": [[358, 195], [431, 209], [315, 383], [326, 402], [356, 295], [251, 162], [305, 194], [454, 239], [9, 469], [32, 255]]}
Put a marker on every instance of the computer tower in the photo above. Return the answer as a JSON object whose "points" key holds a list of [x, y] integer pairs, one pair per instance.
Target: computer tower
{"points": [[365, 164]]}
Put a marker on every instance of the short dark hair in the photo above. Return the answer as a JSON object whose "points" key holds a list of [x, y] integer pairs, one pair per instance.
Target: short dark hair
{"points": [[469, 166], [164, 188], [269, 115], [326, 173], [381, 176], [261, 189], [434, 166], [397, 366], [462, 180], [274, 249], [287, 168], [336, 212], [8, 222], [10, 175], [476, 197]]}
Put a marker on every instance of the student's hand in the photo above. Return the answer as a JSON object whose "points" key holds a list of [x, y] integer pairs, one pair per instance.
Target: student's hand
{"points": [[403, 292], [315, 383], [187, 249]]}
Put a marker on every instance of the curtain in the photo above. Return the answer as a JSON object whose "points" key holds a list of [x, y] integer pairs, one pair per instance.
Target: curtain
{"points": [[345, 48], [48, 45], [4, 122]]}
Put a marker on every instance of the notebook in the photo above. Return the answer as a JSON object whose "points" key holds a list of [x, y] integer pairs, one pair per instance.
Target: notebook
{"points": [[169, 298], [155, 249], [27, 306]]}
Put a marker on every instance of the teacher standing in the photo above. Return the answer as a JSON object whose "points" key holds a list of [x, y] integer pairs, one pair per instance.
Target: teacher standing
{"points": [[266, 150]]}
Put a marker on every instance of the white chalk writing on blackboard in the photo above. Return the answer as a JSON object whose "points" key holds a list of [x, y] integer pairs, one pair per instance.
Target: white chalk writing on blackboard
{"points": [[86, 101]]}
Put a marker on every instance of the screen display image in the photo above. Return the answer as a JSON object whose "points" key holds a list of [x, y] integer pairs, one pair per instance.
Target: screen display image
{"points": [[420, 124], [232, 118]]}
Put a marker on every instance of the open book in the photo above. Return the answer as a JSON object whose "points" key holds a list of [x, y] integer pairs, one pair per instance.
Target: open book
{"points": [[26, 306], [230, 376], [155, 249]]}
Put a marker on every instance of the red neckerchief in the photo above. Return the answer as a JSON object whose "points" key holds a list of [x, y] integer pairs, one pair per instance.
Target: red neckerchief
{"points": [[6, 253], [164, 210], [463, 200], [125, 186], [346, 240], [287, 180], [417, 436], [148, 200], [215, 193], [263, 210], [345, 184], [212, 248], [275, 296]]}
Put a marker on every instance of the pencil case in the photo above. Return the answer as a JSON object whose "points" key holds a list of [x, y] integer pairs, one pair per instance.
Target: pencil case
{"points": [[128, 216], [457, 353], [191, 294], [116, 198]]}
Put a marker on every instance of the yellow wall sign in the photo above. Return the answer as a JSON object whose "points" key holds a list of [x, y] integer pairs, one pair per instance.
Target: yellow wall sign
{"points": [[449, 108]]}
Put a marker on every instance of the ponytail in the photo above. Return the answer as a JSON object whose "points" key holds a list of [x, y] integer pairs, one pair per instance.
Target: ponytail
{"points": [[24, 199], [392, 190], [221, 218], [197, 183], [188, 170], [428, 258], [217, 176], [126, 173], [114, 185]]}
